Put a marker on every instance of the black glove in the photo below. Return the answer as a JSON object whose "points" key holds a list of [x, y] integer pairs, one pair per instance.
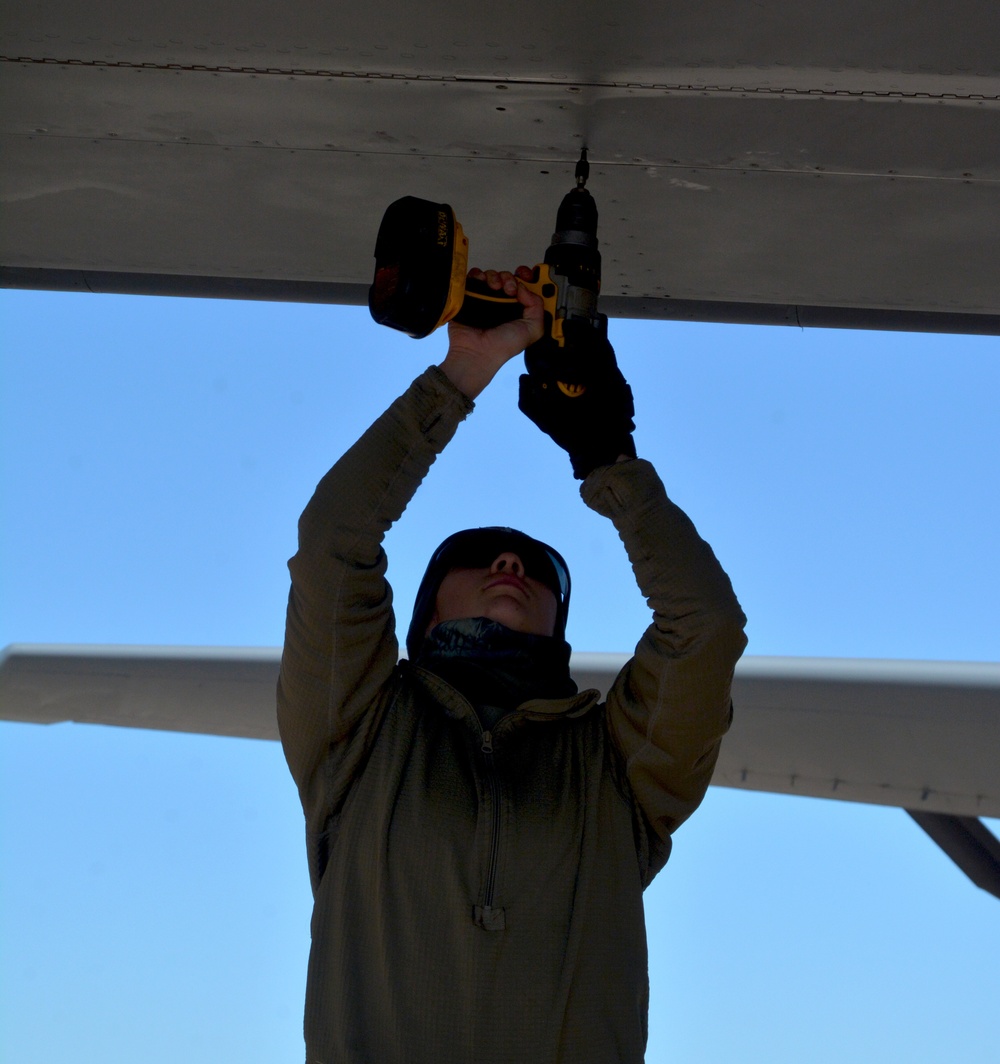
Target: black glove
{"points": [[595, 427]]}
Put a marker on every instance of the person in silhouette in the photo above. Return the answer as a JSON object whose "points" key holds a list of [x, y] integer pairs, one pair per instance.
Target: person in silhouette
{"points": [[479, 831]]}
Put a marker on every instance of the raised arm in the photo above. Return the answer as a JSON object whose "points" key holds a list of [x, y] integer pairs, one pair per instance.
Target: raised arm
{"points": [[670, 706], [340, 643]]}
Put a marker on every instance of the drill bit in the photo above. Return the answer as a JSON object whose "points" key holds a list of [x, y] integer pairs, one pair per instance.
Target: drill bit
{"points": [[582, 170]]}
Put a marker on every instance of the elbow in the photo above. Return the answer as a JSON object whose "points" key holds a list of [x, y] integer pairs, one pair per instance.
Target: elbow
{"points": [[717, 633], [731, 631], [723, 632]]}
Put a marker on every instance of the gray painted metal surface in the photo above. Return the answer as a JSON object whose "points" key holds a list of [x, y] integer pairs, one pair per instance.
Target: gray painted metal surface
{"points": [[921, 735], [969, 843], [799, 163]]}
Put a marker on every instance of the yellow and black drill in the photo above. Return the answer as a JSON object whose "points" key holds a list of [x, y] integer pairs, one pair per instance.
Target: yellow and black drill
{"points": [[572, 390], [422, 259]]}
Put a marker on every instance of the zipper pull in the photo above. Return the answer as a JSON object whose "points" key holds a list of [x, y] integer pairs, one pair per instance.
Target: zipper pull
{"points": [[487, 746]]}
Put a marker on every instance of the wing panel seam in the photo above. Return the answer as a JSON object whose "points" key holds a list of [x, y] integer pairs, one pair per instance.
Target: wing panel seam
{"points": [[303, 72]]}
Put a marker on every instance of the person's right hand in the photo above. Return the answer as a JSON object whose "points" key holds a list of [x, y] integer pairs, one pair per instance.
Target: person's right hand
{"points": [[475, 356]]}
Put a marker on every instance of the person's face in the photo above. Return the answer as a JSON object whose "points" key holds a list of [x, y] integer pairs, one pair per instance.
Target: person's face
{"points": [[502, 592]]}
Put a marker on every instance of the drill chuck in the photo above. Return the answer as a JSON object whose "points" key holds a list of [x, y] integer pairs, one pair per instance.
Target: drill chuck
{"points": [[576, 219], [573, 258]]}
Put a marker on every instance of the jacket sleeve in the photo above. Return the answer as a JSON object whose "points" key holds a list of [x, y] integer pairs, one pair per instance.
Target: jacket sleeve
{"points": [[340, 642], [670, 706]]}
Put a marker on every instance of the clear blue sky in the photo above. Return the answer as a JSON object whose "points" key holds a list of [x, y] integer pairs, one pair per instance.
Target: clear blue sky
{"points": [[155, 455]]}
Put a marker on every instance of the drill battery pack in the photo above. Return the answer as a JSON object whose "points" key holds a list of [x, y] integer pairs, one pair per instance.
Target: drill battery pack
{"points": [[422, 261]]}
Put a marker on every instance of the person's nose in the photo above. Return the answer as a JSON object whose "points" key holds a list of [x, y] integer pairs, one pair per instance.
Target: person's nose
{"points": [[508, 562]]}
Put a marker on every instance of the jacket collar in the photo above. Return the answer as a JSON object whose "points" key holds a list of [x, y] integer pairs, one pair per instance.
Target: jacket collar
{"points": [[454, 704]]}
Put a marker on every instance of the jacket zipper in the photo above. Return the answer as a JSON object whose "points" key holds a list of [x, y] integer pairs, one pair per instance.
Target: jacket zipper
{"points": [[486, 916]]}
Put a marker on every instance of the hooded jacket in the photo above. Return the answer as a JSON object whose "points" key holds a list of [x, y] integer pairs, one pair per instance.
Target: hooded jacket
{"points": [[478, 891]]}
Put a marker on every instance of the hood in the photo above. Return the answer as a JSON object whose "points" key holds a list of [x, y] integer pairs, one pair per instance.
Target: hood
{"points": [[468, 548]]}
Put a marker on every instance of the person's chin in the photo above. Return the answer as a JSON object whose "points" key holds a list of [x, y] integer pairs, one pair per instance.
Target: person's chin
{"points": [[509, 615]]}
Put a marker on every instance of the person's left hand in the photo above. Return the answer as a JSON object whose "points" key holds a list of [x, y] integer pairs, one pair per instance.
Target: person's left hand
{"points": [[594, 427], [475, 356]]}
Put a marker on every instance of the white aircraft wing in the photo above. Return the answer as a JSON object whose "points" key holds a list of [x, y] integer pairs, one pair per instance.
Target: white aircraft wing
{"points": [[916, 734], [795, 162], [921, 735]]}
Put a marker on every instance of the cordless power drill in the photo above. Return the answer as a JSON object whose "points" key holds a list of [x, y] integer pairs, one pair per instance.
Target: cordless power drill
{"points": [[421, 263]]}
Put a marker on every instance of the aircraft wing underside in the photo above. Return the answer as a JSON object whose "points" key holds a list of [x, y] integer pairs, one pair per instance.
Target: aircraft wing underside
{"points": [[789, 163]]}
